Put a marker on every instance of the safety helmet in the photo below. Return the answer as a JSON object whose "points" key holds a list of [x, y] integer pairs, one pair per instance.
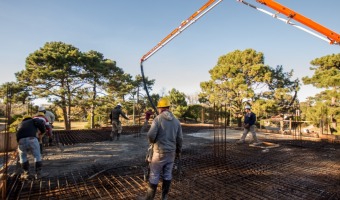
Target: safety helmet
{"points": [[41, 114], [119, 105], [41, 108], [163, 102], [247, 107]]}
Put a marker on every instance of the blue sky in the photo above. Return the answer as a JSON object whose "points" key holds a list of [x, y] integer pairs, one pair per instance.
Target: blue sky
{"points": [[126, 30]]}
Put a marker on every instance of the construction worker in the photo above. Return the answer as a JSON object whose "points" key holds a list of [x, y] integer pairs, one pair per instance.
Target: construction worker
{"points": [[148, 115], [116, 124], [249, 126], [27, 140], [166, 134], [51, 118], [44, 138]]}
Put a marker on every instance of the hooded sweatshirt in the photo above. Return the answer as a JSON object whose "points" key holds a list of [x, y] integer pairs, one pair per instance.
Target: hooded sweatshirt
{"points": [[170, 137]]}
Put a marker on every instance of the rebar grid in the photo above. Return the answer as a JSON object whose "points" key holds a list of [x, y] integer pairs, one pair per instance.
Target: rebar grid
{"points": [[72, 137], [309, 170]]}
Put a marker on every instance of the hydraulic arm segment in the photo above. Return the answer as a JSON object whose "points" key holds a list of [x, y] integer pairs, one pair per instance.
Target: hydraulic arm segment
{"points": [[331, 36], [328, 35], [185, 24], [319, 30]]}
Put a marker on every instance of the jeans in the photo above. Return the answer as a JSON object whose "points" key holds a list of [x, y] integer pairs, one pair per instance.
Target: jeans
{"points": [[26, 145], [161, 162]]}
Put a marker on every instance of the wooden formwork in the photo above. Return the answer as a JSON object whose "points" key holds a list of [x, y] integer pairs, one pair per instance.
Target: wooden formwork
{"points": [[11, 142]]}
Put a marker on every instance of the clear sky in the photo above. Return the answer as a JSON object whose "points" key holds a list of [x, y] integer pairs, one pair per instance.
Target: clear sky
{"points": [[125, 30]]}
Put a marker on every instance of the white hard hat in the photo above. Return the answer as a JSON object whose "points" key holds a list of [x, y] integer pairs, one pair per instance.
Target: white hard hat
{"points": [[41, 108], [120, 105], [247, 107]]}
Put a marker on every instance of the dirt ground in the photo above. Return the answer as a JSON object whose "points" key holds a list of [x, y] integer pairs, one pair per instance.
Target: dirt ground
{"points": [[293, 169], [128, 151]]}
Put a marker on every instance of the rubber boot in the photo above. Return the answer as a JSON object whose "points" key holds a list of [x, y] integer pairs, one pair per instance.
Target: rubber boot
{"points": [[41, 148], [112, 136], [165, 189], [50, 141], [151, 192], [25, 166], [38, 167]]}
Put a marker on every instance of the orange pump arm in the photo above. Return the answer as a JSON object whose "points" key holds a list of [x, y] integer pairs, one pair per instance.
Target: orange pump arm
{"points": [[331, 35], [199, 13]]}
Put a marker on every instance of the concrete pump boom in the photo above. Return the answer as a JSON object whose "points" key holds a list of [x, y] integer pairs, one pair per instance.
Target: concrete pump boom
{"points": [[185, 24], [328, 35], [331, 36]]}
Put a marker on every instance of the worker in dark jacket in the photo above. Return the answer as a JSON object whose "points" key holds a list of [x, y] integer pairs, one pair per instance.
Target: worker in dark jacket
{"points": [[249, 126], [166, 134], [27, 138], [116, 124]]}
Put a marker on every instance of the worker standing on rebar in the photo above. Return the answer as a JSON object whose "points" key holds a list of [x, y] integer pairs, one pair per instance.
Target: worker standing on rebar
{"points": [[166, 134], [51, 118], [148, 115], [116, 124], [249, 126], [27, 140], [44, 138]]}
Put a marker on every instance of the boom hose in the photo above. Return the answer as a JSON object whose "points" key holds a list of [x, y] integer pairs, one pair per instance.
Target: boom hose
{"points": [[146, 89]]}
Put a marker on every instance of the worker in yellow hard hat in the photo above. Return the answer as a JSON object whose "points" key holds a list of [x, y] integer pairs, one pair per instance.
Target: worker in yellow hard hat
{"points": [[165, 135]]}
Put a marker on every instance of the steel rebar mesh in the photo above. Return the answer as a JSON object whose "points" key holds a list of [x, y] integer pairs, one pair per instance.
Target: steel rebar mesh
{"points": [[307, 171]]}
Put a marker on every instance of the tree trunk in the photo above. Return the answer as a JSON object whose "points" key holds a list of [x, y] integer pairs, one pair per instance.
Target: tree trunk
{"points": [[68, 125], [65, 115], [92, 105], [239, 121]]}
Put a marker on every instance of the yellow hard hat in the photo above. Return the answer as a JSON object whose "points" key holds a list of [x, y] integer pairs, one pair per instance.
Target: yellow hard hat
{"points": [[26, 117], [163, 102], [41, 113]]}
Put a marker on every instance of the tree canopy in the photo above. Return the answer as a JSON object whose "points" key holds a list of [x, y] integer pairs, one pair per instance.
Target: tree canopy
{"points": [[241, 77]]}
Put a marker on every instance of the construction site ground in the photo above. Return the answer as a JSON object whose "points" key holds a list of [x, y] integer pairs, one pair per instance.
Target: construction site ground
{"points": [[213, 166]]}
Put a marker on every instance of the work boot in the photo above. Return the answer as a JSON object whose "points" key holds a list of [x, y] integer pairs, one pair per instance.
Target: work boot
{"points": [[118, 136], [240, 142], [41, 148], [256, 141], [165, 189], [112, 136], [50, 142], [151, 192], [38, 167], [25, 166]]}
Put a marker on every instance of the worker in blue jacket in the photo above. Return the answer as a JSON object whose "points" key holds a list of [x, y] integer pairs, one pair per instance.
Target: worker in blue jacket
{"points": [[249, 126]]}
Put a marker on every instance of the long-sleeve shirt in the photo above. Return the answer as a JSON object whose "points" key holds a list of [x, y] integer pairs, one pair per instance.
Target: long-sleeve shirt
{"points": [[50, 116], [148, 115], [250, 118], [115, 113], [29, 128]]}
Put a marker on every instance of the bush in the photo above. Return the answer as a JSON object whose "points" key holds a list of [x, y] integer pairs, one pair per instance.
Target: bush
{"points": [[16, 120]]}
